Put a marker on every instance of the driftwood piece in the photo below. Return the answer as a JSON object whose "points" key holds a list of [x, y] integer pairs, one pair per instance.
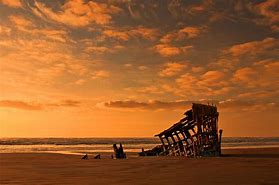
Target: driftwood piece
{"points": [[85, 157], [153, 152], [97, 156]]}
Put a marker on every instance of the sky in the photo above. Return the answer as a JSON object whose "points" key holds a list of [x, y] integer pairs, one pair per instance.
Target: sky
{"points": [[131, 68]]}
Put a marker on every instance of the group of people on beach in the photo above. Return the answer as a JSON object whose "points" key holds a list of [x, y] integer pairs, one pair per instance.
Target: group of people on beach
{"points": [[118, 153]]}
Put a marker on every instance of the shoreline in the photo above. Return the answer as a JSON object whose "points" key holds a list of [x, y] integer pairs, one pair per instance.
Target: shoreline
{"points": [[235, 166], [106, 152]]}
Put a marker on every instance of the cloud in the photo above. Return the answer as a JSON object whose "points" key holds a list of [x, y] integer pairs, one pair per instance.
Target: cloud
{"points": [[195, 9], [144, 32], [97, 49], [100, 50], [41, 64], [260, 94], [79, 82], [150, 105], [210, 83], [55, 35], [20, 105], [27, 26], [232, 105], [229, 105], [65, 103], [245, 74], [78, 13], [120, 35], [186, 32], [128, 65], [191, 32], [187, 84], [211, 77], [253, 48], [32, 106], [272, 68], [20, 22], [125, 34], [197, 69], [166, 50], [268, 9], [274, 28], [100, 74], [5, 31], [172, 69], [142, 68], [12, 3]]}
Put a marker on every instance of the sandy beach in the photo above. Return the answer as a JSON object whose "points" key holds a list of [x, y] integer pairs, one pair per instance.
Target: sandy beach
{"points": [[237, 166]]}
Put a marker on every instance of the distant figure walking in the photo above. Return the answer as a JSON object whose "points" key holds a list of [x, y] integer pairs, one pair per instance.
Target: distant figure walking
{"points": [[119, 152], [85, 157]]}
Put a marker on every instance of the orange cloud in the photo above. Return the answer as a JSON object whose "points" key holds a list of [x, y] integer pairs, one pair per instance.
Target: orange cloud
{"points": [[231, 105], [128, 65], [97, 49], [137, 32], [275, 28], [78, 13], [260, 94], [252, 48], [16, 104], [100, 74], [269, 9], [197, 69], [40, 64], [120, 35], [25, 25], [172, 69], [262, 75], [20, 105], [211, 77], [12, 3], [228, 105], [20, 22], [244, 75], [55, 35], [195, 9], [65, 103], [210, 83], [186, 32], [142, 68], [79, 82], [186, 80], [146, 33], [191, 32], [5, 31], [150, 105], [166, 50]]}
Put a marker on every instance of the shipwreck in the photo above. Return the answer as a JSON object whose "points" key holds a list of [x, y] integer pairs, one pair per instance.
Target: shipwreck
{"points": [[194, 135]]}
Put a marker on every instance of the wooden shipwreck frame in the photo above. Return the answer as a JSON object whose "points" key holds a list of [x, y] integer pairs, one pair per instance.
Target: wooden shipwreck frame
{"points": [[194, 135]]}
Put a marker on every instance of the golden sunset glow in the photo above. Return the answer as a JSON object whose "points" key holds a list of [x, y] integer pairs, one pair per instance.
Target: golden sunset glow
{"points": [[130, 68]]}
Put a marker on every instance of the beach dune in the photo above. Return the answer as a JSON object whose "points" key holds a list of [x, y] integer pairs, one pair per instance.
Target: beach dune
{"points": [[237, 166]]}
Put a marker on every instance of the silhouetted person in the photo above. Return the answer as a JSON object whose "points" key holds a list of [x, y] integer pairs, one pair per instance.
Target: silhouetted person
{"points": [[115, 149], [119, 152], [85, 157]]}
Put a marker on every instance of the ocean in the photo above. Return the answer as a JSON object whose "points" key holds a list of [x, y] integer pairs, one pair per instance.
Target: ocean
{"points": [[80, 146]]}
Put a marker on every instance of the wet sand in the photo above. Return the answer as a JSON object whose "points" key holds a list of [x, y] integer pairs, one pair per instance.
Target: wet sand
{"points": [[237, 166]]}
